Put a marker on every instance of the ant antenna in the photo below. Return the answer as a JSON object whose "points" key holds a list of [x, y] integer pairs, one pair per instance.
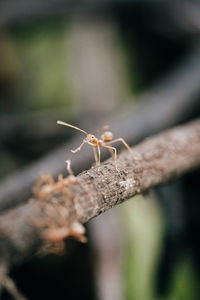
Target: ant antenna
{"points": [[69, 125], [106, 127]]}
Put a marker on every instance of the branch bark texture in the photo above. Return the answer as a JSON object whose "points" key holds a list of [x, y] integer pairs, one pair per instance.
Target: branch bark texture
{"points": [[162, 157]]}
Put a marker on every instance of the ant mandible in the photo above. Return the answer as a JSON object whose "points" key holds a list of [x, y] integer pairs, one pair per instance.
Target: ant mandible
{"points": [[105, 141]]}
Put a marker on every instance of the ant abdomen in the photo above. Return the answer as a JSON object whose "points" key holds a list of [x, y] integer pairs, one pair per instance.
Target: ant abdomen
{"points": [[107, 136]]}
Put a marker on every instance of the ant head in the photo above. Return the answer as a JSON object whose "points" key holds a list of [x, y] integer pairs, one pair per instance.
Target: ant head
{"points": [[91, 138], [107, 136]]}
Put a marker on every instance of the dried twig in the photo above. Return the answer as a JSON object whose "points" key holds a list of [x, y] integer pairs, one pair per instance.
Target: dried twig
{"points": [[169, 154]]}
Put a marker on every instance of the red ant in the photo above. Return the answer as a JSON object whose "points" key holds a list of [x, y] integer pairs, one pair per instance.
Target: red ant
{"points": [[106, 141], [57, 231], [46, 184]]}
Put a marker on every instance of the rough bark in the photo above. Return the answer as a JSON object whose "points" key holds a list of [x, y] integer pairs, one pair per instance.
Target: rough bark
{"points": [[162, 157]]}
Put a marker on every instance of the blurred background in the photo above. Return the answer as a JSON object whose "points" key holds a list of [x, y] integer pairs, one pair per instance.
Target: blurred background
{"points": [[134, 65]]}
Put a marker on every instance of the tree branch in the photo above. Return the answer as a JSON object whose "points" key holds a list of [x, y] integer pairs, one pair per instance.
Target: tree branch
{"points": [[54, 216]]}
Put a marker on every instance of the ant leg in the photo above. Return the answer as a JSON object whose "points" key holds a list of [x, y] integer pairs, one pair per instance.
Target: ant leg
{"points": [[115, 153], [99, 154], [94, 150], [111, 151], [79, 148], [126, 145], [95, 155]]}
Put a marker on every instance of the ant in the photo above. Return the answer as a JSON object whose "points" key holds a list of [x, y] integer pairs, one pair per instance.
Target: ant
{"points": [[55, 231], [105, 141], [46, 184]]}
